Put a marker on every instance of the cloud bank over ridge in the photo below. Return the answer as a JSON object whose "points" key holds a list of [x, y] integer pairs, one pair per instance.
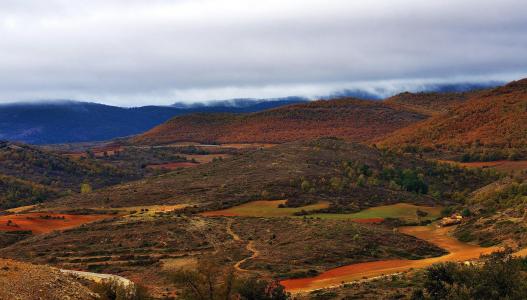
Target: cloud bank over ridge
{"points": [[158, 52]]}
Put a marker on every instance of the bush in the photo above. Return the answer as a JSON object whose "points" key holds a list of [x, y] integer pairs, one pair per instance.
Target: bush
{"points": [[113, 290], [501, 276]]}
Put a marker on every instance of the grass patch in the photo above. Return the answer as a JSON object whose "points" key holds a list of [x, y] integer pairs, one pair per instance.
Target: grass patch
{"points": [[265, 209], [403, 211]]}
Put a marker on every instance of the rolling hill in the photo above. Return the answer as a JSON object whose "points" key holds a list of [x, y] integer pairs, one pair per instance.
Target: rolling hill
{"points": [[30, 175], [493, 120], [71, 121], [348, 118], [348, 175], [429, 104]]}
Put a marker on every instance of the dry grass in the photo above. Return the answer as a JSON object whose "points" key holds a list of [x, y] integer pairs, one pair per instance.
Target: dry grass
{"points": [[264, 208], [404, 211]]}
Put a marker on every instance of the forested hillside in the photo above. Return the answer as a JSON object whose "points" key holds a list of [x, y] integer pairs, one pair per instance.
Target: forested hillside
{"points": [[29, 175], [350, 176]]}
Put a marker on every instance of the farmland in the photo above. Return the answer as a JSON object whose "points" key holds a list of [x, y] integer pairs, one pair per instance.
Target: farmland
{"points": [[262, 208], [39, 223], [404, 211]]}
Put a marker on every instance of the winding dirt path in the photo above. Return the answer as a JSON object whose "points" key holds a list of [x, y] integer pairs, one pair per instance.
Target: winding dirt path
{"points": [[438, 236], [250, 247]]}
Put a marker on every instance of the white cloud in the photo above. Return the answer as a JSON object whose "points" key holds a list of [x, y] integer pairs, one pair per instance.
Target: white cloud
{"points": [[146, 52]]}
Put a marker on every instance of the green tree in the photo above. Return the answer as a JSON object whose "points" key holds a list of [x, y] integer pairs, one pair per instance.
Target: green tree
{"points": [[86, 188], [257, 289]]}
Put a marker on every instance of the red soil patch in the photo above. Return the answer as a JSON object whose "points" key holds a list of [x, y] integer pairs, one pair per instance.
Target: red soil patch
{"points": [[361, 269], [44, 222], [173, 166], [440, 237], [369, 221]]}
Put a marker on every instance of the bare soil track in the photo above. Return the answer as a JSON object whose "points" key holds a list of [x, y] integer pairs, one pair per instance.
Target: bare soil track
{"points": [[250, 247], [439, 236]]}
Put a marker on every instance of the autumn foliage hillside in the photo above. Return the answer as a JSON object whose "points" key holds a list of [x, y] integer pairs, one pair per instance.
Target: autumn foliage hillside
{"points": [[493, 119], [30, 175], [351, 119], [429, 104]]}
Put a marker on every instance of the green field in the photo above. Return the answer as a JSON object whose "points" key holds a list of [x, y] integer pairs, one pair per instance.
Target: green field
{"points": [[264, 209], [403, 211]]}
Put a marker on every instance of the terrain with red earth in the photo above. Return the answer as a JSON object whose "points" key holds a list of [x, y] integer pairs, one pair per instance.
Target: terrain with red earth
{"points": [[44, 222], [351, 119], [495, 118]]}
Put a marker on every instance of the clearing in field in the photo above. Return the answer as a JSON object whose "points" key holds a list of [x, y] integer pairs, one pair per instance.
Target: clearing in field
{"points": [[403, 211], [44, 222], [264, 208]]}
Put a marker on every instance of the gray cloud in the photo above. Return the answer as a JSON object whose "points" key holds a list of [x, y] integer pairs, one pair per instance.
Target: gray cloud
{"points": [[158, 52]]}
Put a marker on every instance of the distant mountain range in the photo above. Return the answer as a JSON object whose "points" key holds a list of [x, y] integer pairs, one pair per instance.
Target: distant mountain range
{"points": [[455, 123], [55, 122], [71, 121]]}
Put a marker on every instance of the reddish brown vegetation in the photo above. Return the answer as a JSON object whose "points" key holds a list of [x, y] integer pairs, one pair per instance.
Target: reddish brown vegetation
{"points": [[351, 119], [495, 118], [173, 166], [428, 103], [96, 152], [369, 220]]}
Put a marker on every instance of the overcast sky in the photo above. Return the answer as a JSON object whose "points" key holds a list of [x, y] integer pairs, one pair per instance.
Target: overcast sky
{"points": [[131, 52]]}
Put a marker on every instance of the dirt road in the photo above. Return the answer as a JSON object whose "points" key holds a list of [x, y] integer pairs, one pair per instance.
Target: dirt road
{"points": [[250, 247], [439, 236]]}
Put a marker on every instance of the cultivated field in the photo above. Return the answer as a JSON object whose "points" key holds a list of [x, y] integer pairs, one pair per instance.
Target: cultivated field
{"points": [[43, 222], [404, 211], [264, 208]]}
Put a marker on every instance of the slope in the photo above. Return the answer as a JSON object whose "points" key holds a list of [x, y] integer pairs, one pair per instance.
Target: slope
{"points": [[71, 121], [27, 281], [493, 120], [30, 175], [350, 176], [351, 119], [429, 104]]}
